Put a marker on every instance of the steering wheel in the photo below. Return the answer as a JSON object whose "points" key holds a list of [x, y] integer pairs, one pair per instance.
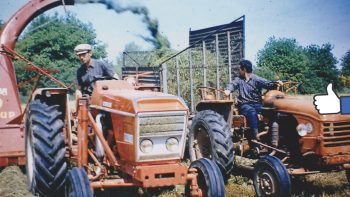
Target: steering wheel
{"points": [[289, 86]]}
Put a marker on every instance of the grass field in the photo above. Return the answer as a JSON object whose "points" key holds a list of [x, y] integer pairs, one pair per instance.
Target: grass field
{"points": [[13, 184]]}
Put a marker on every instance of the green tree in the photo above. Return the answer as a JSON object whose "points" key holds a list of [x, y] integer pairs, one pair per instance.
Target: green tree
{"points": [[345, 64], [314, 66], [322, 67], [49, 42], [285, 58]]}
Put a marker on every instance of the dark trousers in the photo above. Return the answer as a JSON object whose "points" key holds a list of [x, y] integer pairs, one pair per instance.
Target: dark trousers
{"points": [[251, 111]]}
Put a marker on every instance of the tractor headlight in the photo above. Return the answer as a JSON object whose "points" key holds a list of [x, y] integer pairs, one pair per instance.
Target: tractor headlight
{"points": [[146, 146], [172, 144], [48, 94], [304, 129], [309, 128]]}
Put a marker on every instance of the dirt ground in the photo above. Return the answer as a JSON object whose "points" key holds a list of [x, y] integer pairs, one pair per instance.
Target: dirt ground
{"points": [[13, 184]]}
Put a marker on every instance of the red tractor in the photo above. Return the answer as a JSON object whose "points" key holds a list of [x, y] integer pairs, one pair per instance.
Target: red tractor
{"points": [[293, 140], [121, 136]]}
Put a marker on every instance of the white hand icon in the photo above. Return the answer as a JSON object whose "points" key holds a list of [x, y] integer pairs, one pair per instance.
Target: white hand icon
{"points": [[328, 103]]}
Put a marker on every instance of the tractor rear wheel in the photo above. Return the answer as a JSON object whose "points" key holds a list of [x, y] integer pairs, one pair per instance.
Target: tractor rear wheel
{"points": [[209, 178], [271, 178], [45, 149], [78, 184], [210, 137]]}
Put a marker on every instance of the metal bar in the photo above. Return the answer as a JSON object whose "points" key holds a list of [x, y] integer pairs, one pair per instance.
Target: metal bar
{"points": [[229, 56], [83, 132], [27, 82], [178, 76], [36, 67], [109, 152], [217, 62], [267, 146], [107, 183], [204, 67], [165, 78], [243, 33], [191, 80], [97, 163]]}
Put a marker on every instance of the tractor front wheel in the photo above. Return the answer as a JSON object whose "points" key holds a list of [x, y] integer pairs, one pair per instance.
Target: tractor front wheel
{"points": [[77, 184], [209, 178], [271, 178], [45, 149]]}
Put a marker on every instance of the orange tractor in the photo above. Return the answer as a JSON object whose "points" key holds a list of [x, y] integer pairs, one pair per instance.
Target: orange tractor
{"points": [[122, 135], [293, 139]]}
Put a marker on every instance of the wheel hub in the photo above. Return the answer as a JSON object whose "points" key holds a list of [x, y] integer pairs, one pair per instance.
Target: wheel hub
{"points": [[266, 183]]}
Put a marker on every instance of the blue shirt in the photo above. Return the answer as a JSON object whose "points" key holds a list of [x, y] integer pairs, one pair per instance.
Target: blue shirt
{"points": [[250, 91], [87, 75]]}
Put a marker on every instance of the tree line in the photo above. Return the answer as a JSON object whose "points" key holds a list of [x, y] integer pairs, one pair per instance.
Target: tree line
{"points": [[315, 66]]}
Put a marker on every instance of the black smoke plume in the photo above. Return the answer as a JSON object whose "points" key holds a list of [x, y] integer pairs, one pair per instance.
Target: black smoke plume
{"points": [[157, 40]]}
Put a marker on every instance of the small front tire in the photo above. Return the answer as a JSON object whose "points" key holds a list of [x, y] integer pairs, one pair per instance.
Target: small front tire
{"points": [[77, 183], [271, 178], [209, 178], [210, 137]]}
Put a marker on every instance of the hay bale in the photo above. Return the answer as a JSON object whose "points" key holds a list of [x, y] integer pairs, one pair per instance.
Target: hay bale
{"points": [[13, 183]]}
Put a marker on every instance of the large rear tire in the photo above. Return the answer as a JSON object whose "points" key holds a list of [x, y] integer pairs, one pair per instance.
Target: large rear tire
{"points": [[209, 178], [45, 149], [210, 137], [78, 184], [271, 178]]}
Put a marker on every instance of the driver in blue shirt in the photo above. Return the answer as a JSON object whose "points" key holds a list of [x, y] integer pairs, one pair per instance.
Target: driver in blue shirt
{"points": [[250, 86], [90, 69]]}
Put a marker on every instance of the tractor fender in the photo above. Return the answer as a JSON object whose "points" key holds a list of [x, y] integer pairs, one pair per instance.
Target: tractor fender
{"points": [[53, 96], [221, 107]]}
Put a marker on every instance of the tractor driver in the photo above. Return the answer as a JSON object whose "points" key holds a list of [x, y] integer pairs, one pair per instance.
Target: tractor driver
{"points": [[90, 69], [249, 86]]}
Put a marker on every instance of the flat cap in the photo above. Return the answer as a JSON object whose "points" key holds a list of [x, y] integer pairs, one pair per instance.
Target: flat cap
{"points": [[82, 48]]}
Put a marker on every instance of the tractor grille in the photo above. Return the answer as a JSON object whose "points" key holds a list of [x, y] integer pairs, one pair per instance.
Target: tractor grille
{"points": [[336, 134], [162, 124]]}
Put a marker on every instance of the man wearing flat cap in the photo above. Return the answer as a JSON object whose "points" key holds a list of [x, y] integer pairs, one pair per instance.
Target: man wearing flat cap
{"points": [[90, 69]]}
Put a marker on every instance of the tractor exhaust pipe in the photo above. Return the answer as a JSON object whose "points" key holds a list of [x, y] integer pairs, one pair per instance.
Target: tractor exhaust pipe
{"points": [[100, 152]]}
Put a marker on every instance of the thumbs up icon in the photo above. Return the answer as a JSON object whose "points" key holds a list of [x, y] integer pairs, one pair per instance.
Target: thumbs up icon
{"points": [[328, 103]]}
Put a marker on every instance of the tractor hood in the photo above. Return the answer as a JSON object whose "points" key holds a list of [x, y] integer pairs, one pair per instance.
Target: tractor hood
{"points": [[300, 106], [121, 96]]}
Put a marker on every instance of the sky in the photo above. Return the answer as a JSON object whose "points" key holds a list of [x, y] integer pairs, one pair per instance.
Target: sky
{"points": [[308, 21]]}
